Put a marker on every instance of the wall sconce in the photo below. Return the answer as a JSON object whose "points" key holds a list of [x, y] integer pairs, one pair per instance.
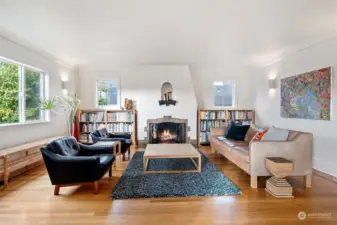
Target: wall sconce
{"points": [[64, 88], [272, 84]]}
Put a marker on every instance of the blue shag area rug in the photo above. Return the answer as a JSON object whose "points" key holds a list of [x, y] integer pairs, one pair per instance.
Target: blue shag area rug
{"points": [[135, 184]]}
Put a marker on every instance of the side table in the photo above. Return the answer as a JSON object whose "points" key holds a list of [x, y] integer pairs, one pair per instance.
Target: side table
{"points": [[113, 145], [277, 185]]}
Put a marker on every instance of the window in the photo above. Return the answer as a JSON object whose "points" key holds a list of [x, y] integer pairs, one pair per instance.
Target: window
{"points": [[21, 89], [107, 93], [224, 93]]}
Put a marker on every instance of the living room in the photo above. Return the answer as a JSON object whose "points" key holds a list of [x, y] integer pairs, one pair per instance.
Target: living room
{"points": [[202, 112]]}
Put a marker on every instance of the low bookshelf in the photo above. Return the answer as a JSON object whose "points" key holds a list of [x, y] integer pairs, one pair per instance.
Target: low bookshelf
{"points": [[213, 118], [115, 121]]}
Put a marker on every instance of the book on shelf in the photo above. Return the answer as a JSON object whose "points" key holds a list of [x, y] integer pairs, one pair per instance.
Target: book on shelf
{"points": [[240, 115], [120, 127], [212, 115], [92, 117], [207, 125], [90, 127], [203, 137], [120, 116]]}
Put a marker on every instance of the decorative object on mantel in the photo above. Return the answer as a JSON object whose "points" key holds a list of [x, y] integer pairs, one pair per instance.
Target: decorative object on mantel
{"points": [[307, 96], [128, 104], [167, 94]]}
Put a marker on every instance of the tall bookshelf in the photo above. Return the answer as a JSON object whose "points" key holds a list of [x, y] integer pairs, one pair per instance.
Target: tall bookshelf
{"points": [[212, 118], [115, 121]]}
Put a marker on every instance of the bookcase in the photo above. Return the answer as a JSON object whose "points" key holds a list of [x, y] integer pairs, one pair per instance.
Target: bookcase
{"points": [[212, 118], [115, 121]]}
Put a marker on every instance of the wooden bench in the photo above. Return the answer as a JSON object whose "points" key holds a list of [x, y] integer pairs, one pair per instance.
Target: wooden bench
{"points": [[19, 159]]}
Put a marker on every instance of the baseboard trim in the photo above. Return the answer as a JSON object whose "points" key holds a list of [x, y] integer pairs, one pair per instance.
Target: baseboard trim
{"points": [[325, 175]]}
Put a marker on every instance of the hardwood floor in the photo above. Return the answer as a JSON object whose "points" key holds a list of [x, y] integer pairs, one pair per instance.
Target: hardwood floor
{"points": [[29, 199]]}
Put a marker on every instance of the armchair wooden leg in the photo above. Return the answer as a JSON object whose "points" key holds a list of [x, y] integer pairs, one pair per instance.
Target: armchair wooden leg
{"points": [[253, 181], [308, 181], [56, 189], [96, 187], [123, 156], [110, 171]]}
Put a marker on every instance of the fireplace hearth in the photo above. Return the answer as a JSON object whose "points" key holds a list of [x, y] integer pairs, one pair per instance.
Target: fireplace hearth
{"points": [[167, 130]]}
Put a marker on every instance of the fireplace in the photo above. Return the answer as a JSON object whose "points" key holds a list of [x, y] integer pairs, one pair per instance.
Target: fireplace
{"points": [[167, 130]]}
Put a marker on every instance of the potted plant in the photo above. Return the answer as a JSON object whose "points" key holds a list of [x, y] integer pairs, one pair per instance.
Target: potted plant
{"points": [[63, 105]]}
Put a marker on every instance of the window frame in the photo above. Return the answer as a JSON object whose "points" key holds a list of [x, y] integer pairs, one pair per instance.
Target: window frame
{"points": [[111, 106], [232, 82], [44, 92]]}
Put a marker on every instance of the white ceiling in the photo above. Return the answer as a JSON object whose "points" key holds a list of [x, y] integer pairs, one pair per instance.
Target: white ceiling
{"points": [[103, 34]]}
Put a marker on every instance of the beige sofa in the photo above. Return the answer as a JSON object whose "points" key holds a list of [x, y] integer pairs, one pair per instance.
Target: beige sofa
{"points": [[250, 154]]}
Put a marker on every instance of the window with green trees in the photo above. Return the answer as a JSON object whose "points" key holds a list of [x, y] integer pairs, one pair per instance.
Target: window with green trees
{"points": [[21, 90], [107, 92]]}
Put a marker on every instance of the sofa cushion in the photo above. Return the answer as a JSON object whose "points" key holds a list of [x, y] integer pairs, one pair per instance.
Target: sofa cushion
{"points": [[232, 143], [239, 143], [230, 122], [252, 131], [237, 132], [225, 141], [293, 135], [275, 134], [242, 152], [260, 135]]}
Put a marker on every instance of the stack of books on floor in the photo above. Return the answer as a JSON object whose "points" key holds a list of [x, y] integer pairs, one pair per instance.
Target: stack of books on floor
{"points": [[279, 187]]}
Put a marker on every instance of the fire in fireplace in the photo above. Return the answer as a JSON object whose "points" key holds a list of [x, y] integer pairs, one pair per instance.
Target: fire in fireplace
{"points": [[167, 132], [166, 135]]}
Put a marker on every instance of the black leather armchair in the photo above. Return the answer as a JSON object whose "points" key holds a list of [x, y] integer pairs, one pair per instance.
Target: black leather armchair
{"points": [[69, 162], [103, 135]]}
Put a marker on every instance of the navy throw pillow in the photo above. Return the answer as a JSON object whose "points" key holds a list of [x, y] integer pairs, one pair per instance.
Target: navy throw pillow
{"points": [[237, 132], [230, 122]]}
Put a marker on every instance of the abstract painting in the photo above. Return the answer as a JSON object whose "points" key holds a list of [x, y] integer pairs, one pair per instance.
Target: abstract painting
{"points": [[307, 96]]}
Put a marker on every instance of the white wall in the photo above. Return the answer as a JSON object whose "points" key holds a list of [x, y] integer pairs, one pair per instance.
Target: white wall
{"points": [[268, 104], [143, 84], [19, 134]]}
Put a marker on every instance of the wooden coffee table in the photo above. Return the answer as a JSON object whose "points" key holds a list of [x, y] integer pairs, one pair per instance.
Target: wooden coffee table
{"points": [[166, 151]]}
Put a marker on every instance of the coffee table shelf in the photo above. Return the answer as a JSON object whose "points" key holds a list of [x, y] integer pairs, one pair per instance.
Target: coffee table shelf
{"points": [[170, 151]]}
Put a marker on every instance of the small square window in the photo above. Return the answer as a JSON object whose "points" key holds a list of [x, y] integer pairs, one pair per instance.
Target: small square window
{"points": [[223, 93], [107, 93]]}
